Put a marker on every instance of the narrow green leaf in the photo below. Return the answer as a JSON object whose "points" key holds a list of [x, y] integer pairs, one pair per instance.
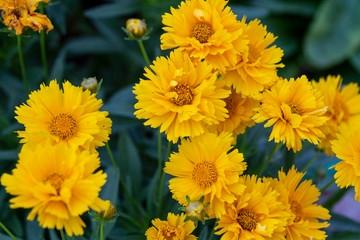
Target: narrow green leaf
{"points": [[122, 103], [111, 10], [33, 230], [92, 45], [57, 71]]}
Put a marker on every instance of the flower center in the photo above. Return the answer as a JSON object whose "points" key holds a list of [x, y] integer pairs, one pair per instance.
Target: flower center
{"points": [[168, 233], [230, 104], [254, 53], [294, 109], [204, 174], [63, 125], [202, 31], [56, 180], [296, 208], [247, 219], [184, 93]]}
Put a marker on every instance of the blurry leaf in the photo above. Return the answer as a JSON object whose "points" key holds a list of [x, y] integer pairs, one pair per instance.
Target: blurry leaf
{"points": [[7, 237], [334, 34], [111, 10], [53, 235], [344, 236], [129, 161], [152, 194], [110, 189], [122, 103], [287, 7], [355, 61], [13, 88], [204, 233], [57, 13], [111, 33], [249, 12], [33, 230], [340, 223], [92, 45], [6, 155], [57, 70]]}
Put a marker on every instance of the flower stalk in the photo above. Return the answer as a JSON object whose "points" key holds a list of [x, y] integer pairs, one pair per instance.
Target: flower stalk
{"points": [[22, 65]]}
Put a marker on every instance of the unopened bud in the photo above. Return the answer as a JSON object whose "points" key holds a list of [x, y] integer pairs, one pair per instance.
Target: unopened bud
{"points": [[109, 210], [136, 27], [90, 84], [195, 211]]}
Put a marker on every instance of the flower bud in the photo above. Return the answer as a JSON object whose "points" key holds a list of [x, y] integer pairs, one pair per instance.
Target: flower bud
{"points": [[109, 210], [90, 84], [136, 27], [195, 211]]}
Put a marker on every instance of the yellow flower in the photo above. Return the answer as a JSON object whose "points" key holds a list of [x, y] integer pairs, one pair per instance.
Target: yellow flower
{"points": [[256, 214], [206, 166], [256, 67], [241, 109], [18, 14], [204, 29], [174, 228], [70, 115], [343, 107], [347, 148], [300, 198], [136, 27], [295, 109], [180, 96], [58, 183]]}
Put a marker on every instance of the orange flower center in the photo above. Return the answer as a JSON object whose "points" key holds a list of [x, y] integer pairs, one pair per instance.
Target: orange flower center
{"points": [[296, 208], [294, 109], [184, 93], [230, 105], [63, 126], [254, 53], [56, 180], [204, 174], [247, 219], [202, 31], [167, 233]]}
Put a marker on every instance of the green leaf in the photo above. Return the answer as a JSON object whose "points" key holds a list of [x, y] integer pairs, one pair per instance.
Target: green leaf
{"points": [[341, 223], [33, 230], [334, 34], [122, 103], [355, 61], [287, 7], [204, 233], [249, 11], [57, 14], [92, 45], [111, 10], [57, 71], [53, 235], [110, 189], [130, 162], [7, 237]]}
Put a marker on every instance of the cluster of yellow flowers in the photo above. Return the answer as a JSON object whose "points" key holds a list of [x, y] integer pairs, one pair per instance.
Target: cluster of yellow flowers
{"points": [[55, 174], [221, 78]]}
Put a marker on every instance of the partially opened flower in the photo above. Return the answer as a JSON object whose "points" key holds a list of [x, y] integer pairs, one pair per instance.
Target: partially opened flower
{"points": [[295, 109], [206, 166], [180, 96], [174, 228], [57, 183], [18, 14], [301, 197], [70, 115], [343, 107], [346, 146], [256, 66], [256, 214], [203, 29]]}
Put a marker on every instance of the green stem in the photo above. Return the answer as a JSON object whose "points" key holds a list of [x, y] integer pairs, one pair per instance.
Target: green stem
{"points": [[43, 49], [311, 162], [7, 231], [101, 230], [266, 163], [212, 231], [22, 65], [62, 234], [159, 154], [327, 185], [110, 155], [141, 45], [162, 181]]}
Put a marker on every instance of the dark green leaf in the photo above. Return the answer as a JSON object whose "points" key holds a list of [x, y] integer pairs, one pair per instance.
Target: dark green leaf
{"points": [[341, 223], [111, 10], [6, 155], [287, 7], [355, 61], [92, 45], [249, 12], [334, 34], [122, 103], [57, 71], [33, 230]]}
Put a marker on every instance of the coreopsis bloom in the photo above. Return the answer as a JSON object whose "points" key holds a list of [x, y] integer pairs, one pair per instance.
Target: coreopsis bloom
{"points": [[256, 67], [343, 107], [58, 183], [241, 109], [70, 115], [256, 214], [295, 109], [180, 96], [174, 228], [18, 14], [204, 29], [346, 146], [300, 198], [206, 166]]}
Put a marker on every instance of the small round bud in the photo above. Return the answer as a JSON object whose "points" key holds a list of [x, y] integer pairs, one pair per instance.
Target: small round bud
{"points": [[195, 211], [109, 210], [136, 27], [90, 84]]}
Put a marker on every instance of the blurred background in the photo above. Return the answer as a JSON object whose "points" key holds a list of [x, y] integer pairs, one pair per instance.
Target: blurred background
{"points": [[318, 38]]}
